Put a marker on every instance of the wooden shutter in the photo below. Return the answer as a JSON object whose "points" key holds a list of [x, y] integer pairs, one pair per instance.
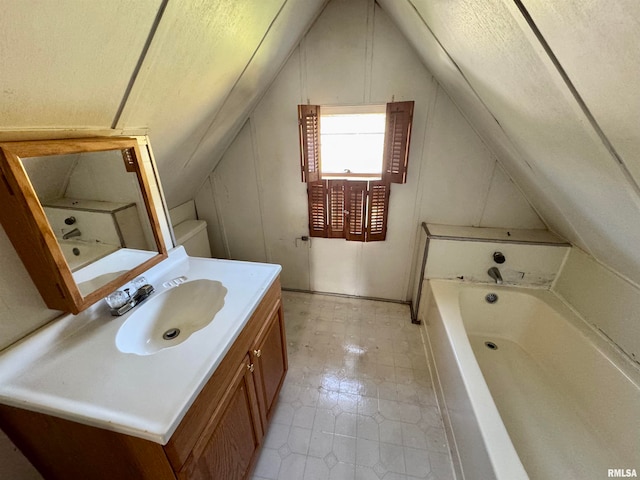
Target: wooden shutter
{"points": [[396, 141], [336, 208], [355, 204], [309, 129], [378, 211], [317, 193]]}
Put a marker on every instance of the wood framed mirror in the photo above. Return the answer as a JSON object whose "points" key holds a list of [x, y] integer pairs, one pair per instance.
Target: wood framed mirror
{"points": [[80, 214]]}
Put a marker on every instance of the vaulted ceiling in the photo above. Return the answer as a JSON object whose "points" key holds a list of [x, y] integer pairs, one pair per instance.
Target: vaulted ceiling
{"points": [[550, 87]]}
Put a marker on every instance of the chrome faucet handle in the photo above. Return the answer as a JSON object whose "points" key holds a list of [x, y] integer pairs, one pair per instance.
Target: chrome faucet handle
{"points": [[116, 300], [139, 282], [121, 301]]}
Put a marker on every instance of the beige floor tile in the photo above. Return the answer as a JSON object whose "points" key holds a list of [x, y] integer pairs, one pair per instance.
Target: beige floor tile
{"points": [[357, 402]]}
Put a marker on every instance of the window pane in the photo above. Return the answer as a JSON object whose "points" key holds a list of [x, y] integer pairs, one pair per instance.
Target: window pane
{"points": [[352, 142]]}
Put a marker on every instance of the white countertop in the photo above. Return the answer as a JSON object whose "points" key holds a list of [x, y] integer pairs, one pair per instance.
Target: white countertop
{"points": [[72, 368]]}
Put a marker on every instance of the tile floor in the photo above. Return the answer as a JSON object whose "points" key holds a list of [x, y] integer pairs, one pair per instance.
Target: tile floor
{"points": [[357, 403]]}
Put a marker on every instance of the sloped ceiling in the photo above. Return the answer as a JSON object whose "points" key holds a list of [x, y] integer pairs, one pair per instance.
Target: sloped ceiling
{"points": [[187, 73], [550, 86], [208, 64]]}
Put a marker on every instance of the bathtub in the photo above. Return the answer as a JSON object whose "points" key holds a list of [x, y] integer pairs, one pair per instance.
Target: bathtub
{"points": [[528, 389], [79, 253]]}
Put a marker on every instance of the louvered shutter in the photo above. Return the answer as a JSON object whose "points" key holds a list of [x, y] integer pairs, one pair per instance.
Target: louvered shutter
{"points": [[317, 193], [309, 129], [336, 209], [378, 210], [396, 141], [355, 204]]}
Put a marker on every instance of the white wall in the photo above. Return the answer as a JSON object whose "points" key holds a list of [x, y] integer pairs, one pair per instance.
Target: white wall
{"points": [[22, 310], [527, 265], [256, 204], [602, 297]]}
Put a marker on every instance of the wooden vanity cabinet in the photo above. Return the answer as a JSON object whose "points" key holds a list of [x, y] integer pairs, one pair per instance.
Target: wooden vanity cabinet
{"points": [[236, 432], [218, 438]]}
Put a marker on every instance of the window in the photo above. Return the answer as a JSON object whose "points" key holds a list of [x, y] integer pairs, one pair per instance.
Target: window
{"points": [[352, 141], [349, 164]]}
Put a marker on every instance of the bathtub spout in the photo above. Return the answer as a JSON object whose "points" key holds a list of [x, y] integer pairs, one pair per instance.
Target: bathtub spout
{"points": [[73, 233], [495, 274]]}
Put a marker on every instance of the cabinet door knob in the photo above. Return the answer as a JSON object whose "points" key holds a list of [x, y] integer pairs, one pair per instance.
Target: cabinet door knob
{"points": [[257, 353], [250, 367]]}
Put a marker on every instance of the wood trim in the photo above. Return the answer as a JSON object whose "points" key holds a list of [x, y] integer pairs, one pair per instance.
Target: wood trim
{"points": [[378, 211], [152, 211], [336, 208], [309, 132], [355, 207], [28, 229], [74, 450], [317, 203], [397, 140], [45, 148]]}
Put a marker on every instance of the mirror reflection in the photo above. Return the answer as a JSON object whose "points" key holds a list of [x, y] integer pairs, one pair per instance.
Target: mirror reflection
{"points": [[96, 209]]}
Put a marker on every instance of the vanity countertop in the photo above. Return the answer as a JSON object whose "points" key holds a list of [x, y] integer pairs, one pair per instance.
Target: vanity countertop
{"points": [[72, 368]]}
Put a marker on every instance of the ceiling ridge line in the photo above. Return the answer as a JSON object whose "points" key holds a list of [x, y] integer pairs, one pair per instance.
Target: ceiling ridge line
{"points": [[455, 64], [260, 97], [576, 95], [138, 67], [253, 55]]}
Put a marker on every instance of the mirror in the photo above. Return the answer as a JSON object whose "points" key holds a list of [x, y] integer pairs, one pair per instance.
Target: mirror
{"points": [[81, 216], [95, 208]]}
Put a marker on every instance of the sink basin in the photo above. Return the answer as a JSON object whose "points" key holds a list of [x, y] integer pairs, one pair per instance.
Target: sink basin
{"points": [[170, 318]]}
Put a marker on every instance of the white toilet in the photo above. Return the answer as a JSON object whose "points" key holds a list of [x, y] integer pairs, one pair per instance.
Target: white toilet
{"points": [[190, 232], [192, 235]]}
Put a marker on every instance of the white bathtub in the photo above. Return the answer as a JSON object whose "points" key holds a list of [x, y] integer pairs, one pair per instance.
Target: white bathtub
{"points": [[79, 253], [554, 401]]}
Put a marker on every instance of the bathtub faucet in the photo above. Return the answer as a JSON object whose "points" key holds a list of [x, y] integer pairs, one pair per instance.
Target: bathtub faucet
{"points": [[495, 274], [73, 233]]}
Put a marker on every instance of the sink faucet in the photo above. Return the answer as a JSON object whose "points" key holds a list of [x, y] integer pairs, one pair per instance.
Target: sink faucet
{"points": [[73, 233], [495, 274], [120, 302]]}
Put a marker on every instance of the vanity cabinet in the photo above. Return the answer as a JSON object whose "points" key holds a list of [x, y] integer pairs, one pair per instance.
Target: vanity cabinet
{"points": [[235, 433], [218, 438]]}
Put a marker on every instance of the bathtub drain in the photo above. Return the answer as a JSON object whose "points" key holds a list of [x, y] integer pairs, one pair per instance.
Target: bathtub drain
{"points": [[491, 298], [491, 345]]}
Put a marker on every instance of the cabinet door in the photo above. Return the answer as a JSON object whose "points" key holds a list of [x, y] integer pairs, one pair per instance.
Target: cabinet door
{"points": [[228, 452], [270, 357]]}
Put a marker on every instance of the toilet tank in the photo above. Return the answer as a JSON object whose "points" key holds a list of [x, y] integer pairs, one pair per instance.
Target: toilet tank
{"points": [[192, 235]]}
